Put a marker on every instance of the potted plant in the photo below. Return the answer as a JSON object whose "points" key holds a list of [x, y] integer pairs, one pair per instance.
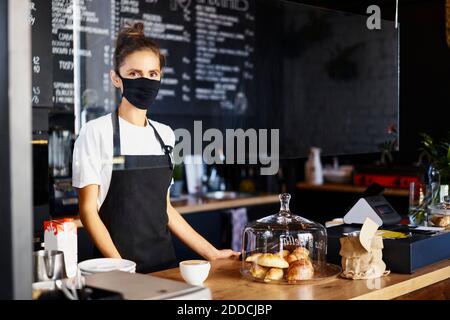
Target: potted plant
{"points": [[436, 180], [438, 152]]}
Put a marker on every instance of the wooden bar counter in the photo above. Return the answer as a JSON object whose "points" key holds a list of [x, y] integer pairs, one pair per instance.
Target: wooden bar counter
{"points": [[226, 283]]}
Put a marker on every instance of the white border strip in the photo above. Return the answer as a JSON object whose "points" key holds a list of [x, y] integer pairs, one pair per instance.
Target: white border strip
{"points": [[76, 64], [396, 14], [20, 135]]}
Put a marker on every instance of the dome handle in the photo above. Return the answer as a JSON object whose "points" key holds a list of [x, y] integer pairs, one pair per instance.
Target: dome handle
{"points": [[284, 202]]}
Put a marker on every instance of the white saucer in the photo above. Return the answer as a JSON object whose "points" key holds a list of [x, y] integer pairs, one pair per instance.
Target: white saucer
{"points": [[106, 265], [44, 285]]}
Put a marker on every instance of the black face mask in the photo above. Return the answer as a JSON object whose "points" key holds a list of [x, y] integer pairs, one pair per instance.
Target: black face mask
{"points": [[140, 92]]}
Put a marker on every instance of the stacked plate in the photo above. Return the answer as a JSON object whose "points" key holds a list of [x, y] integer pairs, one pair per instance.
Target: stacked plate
{"points": [[92, 266]]}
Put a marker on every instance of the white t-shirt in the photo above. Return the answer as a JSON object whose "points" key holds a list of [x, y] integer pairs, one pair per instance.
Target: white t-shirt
{"points": [[93, 151]]}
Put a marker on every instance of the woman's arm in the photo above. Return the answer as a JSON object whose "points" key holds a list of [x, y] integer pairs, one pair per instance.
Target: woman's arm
{"points": [[191, 238], [87, 199]]}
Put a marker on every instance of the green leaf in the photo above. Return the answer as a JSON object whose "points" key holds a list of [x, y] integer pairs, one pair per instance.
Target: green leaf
{"points": [[178, 172], [439, 151]]}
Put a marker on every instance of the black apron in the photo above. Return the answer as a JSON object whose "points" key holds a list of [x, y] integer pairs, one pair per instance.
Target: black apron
{"points": [[135, 208]]}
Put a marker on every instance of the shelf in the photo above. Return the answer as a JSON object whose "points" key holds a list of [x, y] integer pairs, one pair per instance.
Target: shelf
{"points": [[194, 204], [349, 188]]}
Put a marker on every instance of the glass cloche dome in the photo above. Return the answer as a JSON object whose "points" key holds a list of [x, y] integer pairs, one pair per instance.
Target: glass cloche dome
{"points": [[285, 248]]}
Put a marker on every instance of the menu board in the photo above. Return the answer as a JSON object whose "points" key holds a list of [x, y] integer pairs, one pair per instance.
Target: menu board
{"points": [[208, 45], [42, 63]]}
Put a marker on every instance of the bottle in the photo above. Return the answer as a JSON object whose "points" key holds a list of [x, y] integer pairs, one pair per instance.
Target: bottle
{"points": [[247, 185], [434, 182], [335, 163], [313, 167]]}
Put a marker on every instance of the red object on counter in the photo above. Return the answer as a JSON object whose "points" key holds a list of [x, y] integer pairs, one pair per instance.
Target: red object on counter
{"points": [[388, 181], [59, 225]]}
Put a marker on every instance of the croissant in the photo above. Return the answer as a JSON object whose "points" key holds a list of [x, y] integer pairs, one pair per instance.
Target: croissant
{"points": [[274, 274], [291, 258], [272, 261], [284, 253], [441, 221], [257, 271], [253, 258], [300, 270], [301, 253]]}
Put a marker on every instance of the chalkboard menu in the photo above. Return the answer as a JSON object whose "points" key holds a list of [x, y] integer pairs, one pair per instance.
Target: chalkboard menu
{"points": [[42, 62], [209, 46]]}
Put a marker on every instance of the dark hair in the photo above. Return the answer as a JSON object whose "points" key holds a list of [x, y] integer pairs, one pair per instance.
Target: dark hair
{"points": [[132, 38]]}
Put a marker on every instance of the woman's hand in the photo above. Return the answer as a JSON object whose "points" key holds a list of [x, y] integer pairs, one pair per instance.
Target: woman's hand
{"points": [[224, 254], [180, 228]]}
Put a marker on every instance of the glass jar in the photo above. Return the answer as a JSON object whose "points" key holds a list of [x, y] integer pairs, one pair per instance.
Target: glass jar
{"points": [[440, 213], [285, 248]]}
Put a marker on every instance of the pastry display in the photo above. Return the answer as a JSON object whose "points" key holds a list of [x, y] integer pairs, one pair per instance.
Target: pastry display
{"points": [[285, 248], [269, 266]]}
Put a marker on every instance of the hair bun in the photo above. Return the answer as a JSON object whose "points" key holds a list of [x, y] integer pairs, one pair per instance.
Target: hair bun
{"points": [[131, 38], [134, 30]]}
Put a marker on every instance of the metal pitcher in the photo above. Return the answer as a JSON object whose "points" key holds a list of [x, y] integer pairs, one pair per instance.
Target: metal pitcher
{"points": [[48, 265]]}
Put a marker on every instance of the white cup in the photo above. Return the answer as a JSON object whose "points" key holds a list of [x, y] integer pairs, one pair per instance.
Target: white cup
{"points": [[195, 272]]}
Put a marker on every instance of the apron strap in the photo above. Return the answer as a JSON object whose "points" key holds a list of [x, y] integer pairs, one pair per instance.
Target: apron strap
{"points": [[116, 133], [167, 149]]}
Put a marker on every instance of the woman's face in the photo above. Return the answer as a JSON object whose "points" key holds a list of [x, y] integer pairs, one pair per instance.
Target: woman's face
{"points": [[139, 64]]}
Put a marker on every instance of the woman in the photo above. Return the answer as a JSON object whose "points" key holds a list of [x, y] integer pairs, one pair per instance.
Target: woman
{"points": [[122, 168]]}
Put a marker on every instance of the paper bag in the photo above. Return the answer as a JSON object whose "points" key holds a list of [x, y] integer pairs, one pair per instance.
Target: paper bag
{"points": [[363, 261]]}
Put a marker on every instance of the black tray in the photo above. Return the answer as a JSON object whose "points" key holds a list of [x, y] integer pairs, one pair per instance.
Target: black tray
{"points": [[400, 255]]}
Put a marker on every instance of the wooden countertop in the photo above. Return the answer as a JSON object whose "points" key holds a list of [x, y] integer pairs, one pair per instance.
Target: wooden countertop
{"points": [[350, 188], [225, 282], [191, 204]]}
